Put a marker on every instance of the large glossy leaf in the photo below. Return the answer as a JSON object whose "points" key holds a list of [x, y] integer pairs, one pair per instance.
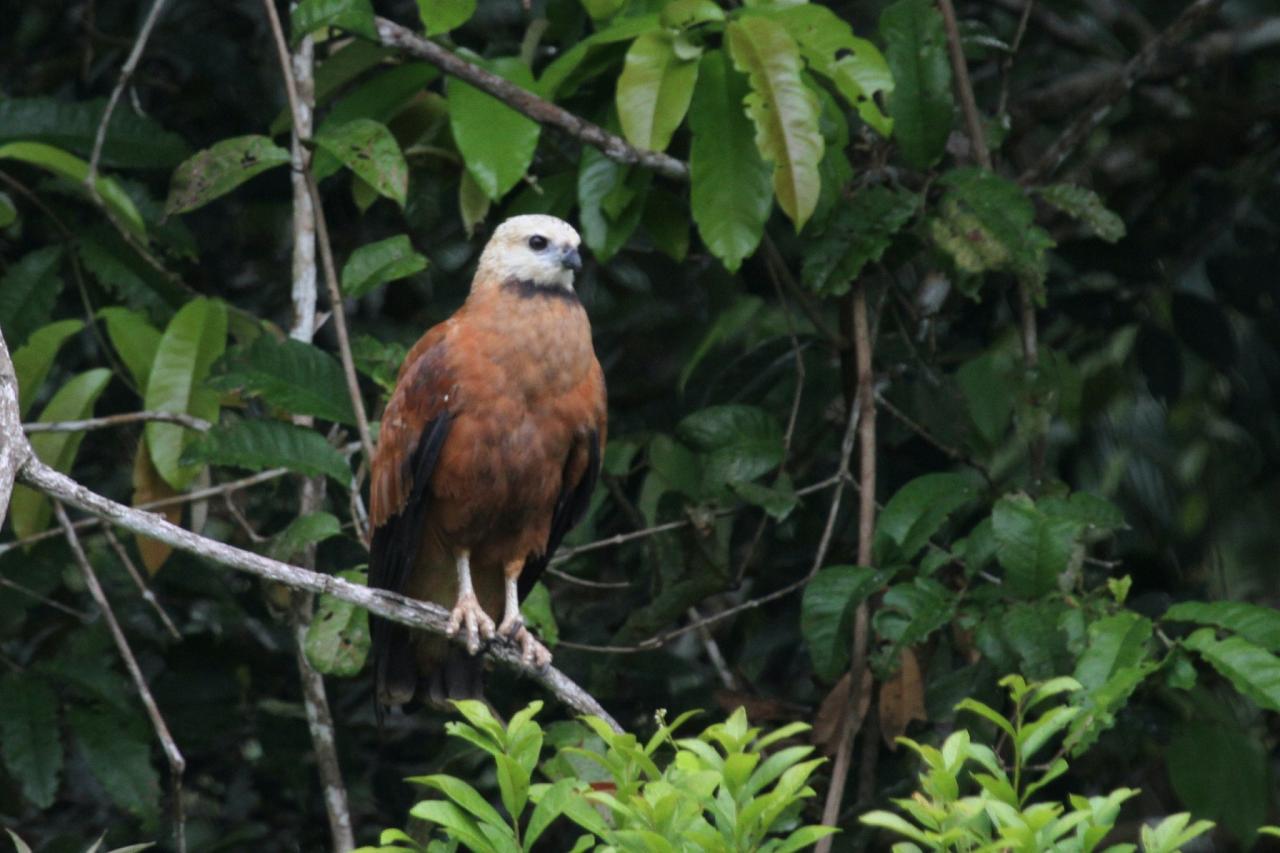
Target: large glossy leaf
{"points": [[29, 737], [784, 111], [731, 192], [132, 141], [29, 510], [369, 150], [193, 340], [27, 293], [739, 442], [859, 232], [32, 361], [654, 90], [827, 612], [916, 51], [219, 169], [68, 166], [379, 263], [338, 637], [298, 377], [440, 16], [1253, 670], [1256, 623], [918, 510], [496, 142], [259, 445], [135, 340], [118, 753], [354, 16], [1033, 547]]}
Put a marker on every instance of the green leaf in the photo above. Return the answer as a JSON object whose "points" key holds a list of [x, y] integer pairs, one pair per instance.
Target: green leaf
{"points": [[731, 193], [75, 170], [463, 795], [8, 212], [124, 274], [335, 73], [988, 223], [916, 51], [732, 322], [827, 611], [654, 90], [1033, 548], [741, 442], [1220, 772], [296, 376], [860, 231], [910, 612], [29, 510], [855, 65], [28, 291], [1258, 624], [550, 806], [29, 738], [259, 445], [32, 361], [683, 14], [135, 340], [989, 389], [219, 169], [538, 615], [1115, 642], [611, 202], [562, 68], [496, 142], [458, 823], [303, 532], [778, 503], [19, 846], [784, 110], [441, 16], [118, 753], [1254, 671], [338, 637], [379, 360], [193, 340], [369, 150], [919, 509], [1085, 206], [378, 263], [132, 141], [354, 16], [1089, 512]]}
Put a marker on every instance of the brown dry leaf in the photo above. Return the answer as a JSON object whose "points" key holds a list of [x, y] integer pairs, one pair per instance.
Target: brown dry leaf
{"points": [[901, 700], [149, 486], [836, 708]]}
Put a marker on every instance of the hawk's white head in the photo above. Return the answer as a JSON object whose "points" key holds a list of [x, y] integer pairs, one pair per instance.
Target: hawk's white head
{"points": [[532, 251]]}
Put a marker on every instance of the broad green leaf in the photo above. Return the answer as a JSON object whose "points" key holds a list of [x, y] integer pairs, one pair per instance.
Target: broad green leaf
{"points": [[827, 613], [854, 64], [654, 90], [496, 142], [1253, 671], [989, 386], [193, 340], [303, 532], [28, 291], [910, 612], [666, 222], [740, 442], [1220, 771], [456, 822], [778, 502], [784, 110], [118, 752], [441, 16], [916, 52], [731, 193], [29, 737], [378, 263], [379, 360], [126, 275], [1115, 642], [259, 445], [1085, 206], [1086, 510], [32, 361], [135, 340], [562, 67], [611, 201], [601, 9], [219, 169], [1033, 548], [550, 806], [461, 794], [538, 615], [29, 510], [354, 16], [683, 14], [988, 223], [919, 509], [298, 377], [859, 232], [68, 166], [338, 637], [132, 141], [369, 150], [1256, 623]]}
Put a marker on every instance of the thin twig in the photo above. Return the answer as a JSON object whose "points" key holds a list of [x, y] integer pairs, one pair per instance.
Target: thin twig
{"points": [[43, 599], [147, 595], [589, 584], [130, 65], [614, 147], [180, 418], [964, 89], [714, 654], [1006, 67], [177, 764]]}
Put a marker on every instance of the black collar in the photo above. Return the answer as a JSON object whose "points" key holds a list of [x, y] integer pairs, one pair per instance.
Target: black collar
{"points": [[528, 289]]}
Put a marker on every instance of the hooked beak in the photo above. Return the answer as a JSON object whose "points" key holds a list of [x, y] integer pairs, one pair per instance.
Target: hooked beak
{"points": [[570, 259]]}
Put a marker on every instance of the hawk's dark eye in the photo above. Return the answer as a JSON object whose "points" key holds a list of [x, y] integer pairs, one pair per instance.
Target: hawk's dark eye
{"points": [[537, 242]]}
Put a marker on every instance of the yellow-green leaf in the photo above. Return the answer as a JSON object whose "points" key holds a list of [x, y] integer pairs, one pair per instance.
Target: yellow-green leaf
{"points": [[654, 90], [74, 169]]}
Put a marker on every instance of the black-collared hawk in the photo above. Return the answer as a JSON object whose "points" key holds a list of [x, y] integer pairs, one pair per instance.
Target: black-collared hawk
{"points": [[488, 453]]}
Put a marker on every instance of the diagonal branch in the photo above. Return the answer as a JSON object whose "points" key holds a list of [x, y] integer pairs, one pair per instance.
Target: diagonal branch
{"points": [[392, 35]]}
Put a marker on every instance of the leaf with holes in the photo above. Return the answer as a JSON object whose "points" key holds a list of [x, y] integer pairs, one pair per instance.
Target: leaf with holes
{"points": [[369, 150], [988, 223], [219, 169]]}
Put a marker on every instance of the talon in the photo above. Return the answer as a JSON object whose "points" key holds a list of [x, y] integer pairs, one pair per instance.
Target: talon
{"points": [[532, 652], [467, 611]]}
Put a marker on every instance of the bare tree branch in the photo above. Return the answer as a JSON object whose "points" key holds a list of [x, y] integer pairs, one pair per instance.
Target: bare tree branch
{"points": [[147, 595], [180, 418], [13, 454], [613, 146]]}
